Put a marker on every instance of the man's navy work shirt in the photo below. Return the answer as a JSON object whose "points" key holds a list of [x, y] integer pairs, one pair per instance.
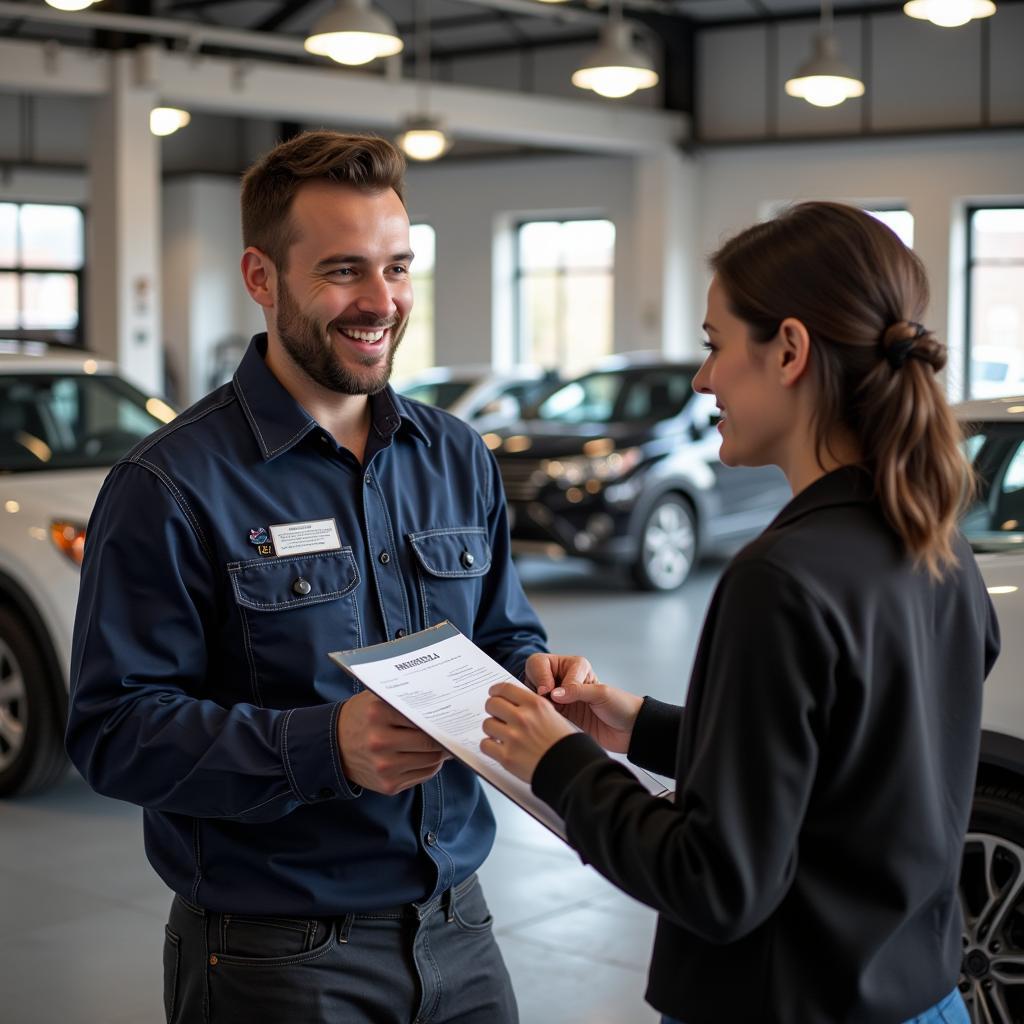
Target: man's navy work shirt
{"points": [[201, 683]]}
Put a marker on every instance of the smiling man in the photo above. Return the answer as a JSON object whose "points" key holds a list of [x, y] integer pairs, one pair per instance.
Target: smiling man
{"points": [[321, 849]]}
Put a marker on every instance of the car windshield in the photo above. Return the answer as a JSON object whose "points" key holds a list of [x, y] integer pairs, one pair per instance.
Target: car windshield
{"points": [[443, 394], [617, 396], [994, 520], [72, 421]]}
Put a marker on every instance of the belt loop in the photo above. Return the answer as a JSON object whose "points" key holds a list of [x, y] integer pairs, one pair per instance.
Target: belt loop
{"points": [[345, 927], [450, 905]]}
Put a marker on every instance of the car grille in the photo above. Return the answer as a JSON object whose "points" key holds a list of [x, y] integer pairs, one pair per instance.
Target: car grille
{"points": [[521, 478]]}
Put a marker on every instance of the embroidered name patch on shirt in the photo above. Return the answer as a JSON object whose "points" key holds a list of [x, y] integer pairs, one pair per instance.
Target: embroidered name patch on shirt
{"points": [[305, 538]]}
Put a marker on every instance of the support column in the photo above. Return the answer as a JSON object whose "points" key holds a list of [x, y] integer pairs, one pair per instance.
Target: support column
{"points": [[123, 289], [665, 313]]}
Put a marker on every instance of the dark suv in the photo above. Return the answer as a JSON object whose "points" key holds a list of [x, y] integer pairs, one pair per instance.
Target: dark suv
{"points": [[621, 466]]}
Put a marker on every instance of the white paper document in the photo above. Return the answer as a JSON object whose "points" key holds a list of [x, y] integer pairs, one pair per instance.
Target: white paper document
{"points": [[439, 680]]}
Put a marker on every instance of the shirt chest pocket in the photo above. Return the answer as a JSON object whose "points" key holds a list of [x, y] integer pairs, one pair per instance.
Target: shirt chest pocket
{"points": [[450, 566], [294, 612]]}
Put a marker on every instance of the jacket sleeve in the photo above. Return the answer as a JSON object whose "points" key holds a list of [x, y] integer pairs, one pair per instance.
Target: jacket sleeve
{"points": [[506, 626], [142, 724], [719, 858], [654, 742]]}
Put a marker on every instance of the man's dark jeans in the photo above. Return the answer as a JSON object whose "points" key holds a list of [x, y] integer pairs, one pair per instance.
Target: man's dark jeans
{"points": [[432, 963]]}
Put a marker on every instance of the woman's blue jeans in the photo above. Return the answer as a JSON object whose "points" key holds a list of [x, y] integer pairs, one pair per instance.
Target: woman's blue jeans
{"points": [[950, 1010]]}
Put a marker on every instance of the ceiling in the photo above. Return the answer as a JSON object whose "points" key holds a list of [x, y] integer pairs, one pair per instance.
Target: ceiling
{"points": [[458, 28]]}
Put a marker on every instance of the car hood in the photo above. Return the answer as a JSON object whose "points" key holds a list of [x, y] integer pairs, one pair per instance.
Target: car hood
{"points": [[560, 440], [60, 493]]}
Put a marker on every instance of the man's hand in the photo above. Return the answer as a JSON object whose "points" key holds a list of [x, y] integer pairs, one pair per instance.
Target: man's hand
{"points": [[522, 729], [546, 671], [381, 749]]}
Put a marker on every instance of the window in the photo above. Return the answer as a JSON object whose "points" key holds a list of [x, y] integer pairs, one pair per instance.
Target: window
{"points": [[417, 349], [643, 395], [900, 221], [564, 283], [995, 318], [72, 422], [41, 263]]}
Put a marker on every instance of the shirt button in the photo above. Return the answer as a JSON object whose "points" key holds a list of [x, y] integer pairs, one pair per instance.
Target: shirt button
{"points": [[301, 587], [384, 558], [467, 559], [399, 633], [431, 838]]}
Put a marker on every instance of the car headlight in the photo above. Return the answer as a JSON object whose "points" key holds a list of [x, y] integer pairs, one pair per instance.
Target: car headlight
{"points": [[580, 468], [69, 539]]}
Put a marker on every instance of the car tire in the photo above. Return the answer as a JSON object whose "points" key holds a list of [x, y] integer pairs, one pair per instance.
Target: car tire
{"points": [[31, 726], [992, 899], [666, 545]]}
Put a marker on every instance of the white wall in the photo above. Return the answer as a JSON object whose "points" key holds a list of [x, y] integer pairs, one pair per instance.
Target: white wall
{"points": [[935, 178], [204, 298], [471, 203]]}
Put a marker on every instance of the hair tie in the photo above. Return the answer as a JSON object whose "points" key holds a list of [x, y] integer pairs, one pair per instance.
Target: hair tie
{"points": [[898, 352]]}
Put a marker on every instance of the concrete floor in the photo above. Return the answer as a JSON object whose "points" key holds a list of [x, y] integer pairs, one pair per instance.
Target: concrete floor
{"points": [[82, 913]]}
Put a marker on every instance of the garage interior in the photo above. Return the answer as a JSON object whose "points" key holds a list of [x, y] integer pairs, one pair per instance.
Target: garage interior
{"points": [[714, 146]]}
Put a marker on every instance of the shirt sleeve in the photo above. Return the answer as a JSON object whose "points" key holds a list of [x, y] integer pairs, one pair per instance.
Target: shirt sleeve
{"points": [[719, 859], [506, 626], [142, 726]]}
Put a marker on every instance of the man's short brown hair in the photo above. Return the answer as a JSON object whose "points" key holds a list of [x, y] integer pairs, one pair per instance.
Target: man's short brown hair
{"points": [[366, 162]]}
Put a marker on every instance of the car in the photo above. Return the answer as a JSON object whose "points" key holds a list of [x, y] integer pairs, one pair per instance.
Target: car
{"points": [[620, 466], [65, 419], [482, 396], [992, 873]]}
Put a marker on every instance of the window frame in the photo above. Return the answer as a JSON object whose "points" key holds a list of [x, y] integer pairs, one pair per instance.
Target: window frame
{"points": [[970, 263], [561, 272], [66, 337]]}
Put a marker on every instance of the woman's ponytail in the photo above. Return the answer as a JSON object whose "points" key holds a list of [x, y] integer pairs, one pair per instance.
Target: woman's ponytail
{"points": [[910, 439]]}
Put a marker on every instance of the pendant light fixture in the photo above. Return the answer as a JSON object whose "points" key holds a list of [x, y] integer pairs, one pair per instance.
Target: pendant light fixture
{"points": [[824, 80], [949, 13], [71, 5], [167, 120], [423, 137], [354, 33], [616, 68]]}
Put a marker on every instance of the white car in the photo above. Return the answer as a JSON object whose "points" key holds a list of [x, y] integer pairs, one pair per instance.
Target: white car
{"points": [[65, 418], [992, 877], [480, 395]]}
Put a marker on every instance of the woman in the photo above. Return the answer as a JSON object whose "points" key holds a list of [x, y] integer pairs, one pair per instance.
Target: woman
{"points": [[806, 870]]}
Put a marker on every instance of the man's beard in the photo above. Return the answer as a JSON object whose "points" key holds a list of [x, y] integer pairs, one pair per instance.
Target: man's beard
{"points": [[312, 349]]}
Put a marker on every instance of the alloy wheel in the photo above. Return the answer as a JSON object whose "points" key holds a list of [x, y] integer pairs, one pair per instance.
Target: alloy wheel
{"points": [[13, 707], [669, 544], [992, 898]]}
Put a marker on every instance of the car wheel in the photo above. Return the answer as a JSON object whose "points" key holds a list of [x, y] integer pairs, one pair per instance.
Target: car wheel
{"points": [[992, 898], [31, 728], [668, 545]]}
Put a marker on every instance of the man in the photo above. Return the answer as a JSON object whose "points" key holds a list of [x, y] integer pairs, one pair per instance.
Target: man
{"points": [[322, 850]]}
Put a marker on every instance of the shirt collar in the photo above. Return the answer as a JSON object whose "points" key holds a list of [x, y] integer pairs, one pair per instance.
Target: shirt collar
{"points": [[278, 422], [848, 485]]}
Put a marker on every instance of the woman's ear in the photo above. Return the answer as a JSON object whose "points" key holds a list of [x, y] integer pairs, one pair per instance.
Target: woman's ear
{"points": [[794, 351]]}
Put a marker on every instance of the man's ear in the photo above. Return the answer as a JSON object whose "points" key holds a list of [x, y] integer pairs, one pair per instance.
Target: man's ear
{"points": [[260, 277], [794, 352]]}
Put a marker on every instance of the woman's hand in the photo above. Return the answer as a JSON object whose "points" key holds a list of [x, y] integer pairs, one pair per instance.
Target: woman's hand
{"points": [[522, 728], [605, 713]]}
